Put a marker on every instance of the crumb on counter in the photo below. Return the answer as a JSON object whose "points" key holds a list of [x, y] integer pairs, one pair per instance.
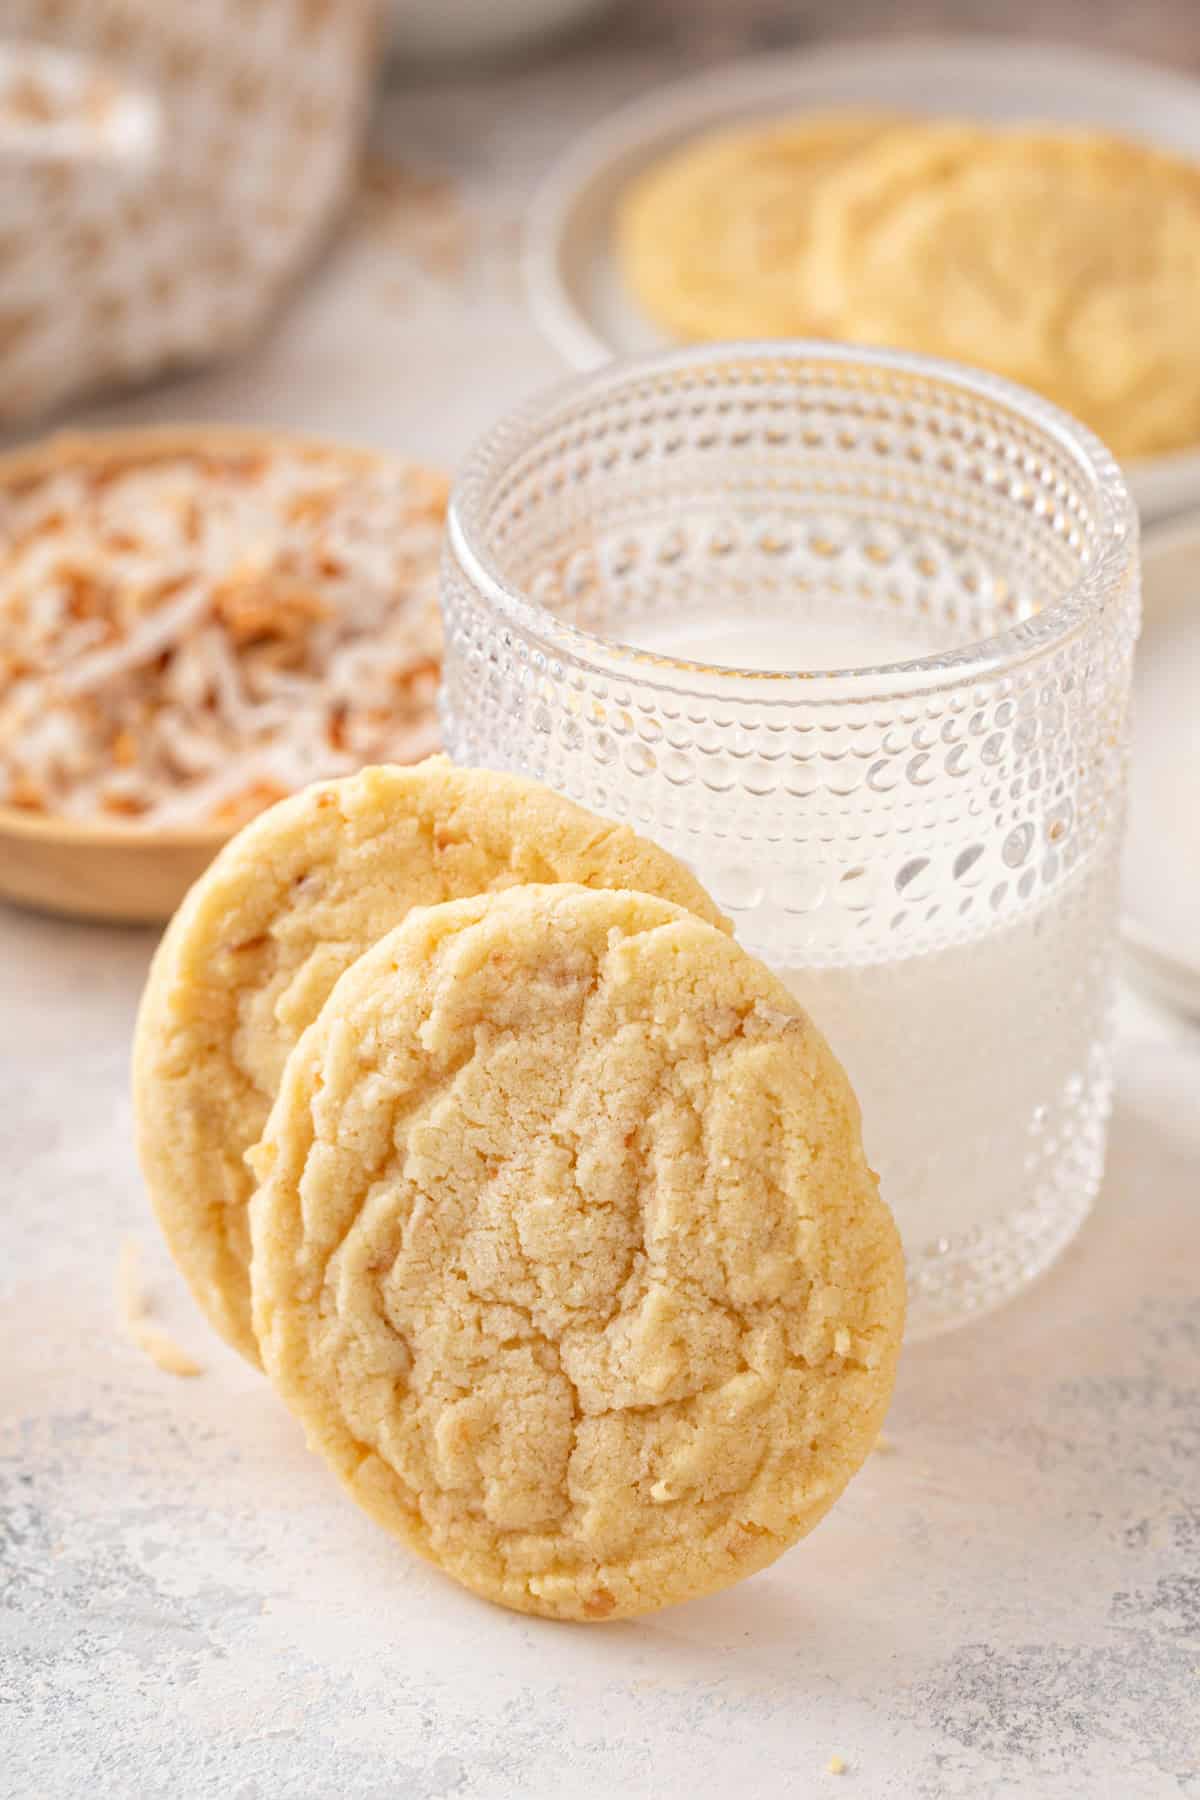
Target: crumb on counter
{"points": [[134, 1317], [418, 212], [836, 1764]]}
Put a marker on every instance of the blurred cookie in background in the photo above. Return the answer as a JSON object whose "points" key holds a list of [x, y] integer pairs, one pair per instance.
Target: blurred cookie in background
{"points": [[715, 238], [1065, 259]]}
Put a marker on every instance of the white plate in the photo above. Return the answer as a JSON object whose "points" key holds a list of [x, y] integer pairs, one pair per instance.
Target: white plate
{"points": [[1161, 887], [574, 285]]}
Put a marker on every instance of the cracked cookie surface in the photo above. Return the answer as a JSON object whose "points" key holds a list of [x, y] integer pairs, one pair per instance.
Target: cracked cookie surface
{"points": [[567, 1254], [257, 945]]}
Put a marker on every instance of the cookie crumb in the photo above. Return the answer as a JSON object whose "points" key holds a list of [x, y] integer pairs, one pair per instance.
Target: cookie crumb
{"points": [[422, 214], [836, 1764], [133, 1314], [884, 1445]]}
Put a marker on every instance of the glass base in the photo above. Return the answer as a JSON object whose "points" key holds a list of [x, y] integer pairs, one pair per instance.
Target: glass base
{"points": [[959, 1279]]}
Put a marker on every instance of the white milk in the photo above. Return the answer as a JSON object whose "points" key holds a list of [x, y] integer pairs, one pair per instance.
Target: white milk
{"points": [[833, 637]]}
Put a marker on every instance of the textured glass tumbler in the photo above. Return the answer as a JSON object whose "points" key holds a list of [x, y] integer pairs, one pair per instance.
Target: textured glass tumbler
{"points": [[923, 838]]}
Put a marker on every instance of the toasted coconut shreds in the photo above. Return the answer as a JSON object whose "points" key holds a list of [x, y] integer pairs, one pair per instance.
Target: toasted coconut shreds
{"points": [[185, 640]]}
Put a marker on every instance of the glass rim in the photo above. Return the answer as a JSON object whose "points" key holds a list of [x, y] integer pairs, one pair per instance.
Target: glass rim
{"points": [[1071, 611]]}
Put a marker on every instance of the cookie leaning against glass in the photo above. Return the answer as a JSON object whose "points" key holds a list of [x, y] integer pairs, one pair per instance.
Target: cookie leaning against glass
{"points": [[567, 1254], [254, 950]]}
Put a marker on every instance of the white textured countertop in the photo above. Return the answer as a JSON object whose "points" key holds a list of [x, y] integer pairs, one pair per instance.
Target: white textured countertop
{"points": [[1007, 1603]]}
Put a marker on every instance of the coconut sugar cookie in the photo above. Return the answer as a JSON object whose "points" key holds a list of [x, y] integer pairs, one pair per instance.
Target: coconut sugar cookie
{"points": [[1067, 260], [714, 239], [567, 1255], [260, 940]]}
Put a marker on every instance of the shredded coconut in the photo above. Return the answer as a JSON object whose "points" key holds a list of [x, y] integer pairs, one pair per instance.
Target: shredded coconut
{"points": [[28, 99], [188, 637]]}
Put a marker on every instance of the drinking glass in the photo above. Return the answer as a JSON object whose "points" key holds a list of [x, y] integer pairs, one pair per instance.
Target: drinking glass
{"points": [[850, 632]]}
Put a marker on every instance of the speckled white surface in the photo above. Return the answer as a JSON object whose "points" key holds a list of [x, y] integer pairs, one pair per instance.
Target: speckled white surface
{"points": [[1007, 1604]]}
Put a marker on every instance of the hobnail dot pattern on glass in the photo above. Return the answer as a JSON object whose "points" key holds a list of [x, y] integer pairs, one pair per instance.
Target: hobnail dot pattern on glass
{"points": [[939, 818], [879, 826]]}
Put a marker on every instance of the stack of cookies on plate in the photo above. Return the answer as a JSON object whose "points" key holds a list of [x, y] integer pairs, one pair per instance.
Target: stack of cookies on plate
{"points": [[542, 1203]]}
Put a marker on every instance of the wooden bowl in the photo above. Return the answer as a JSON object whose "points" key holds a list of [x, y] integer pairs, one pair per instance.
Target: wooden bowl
{"points": [[121, 871]]}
